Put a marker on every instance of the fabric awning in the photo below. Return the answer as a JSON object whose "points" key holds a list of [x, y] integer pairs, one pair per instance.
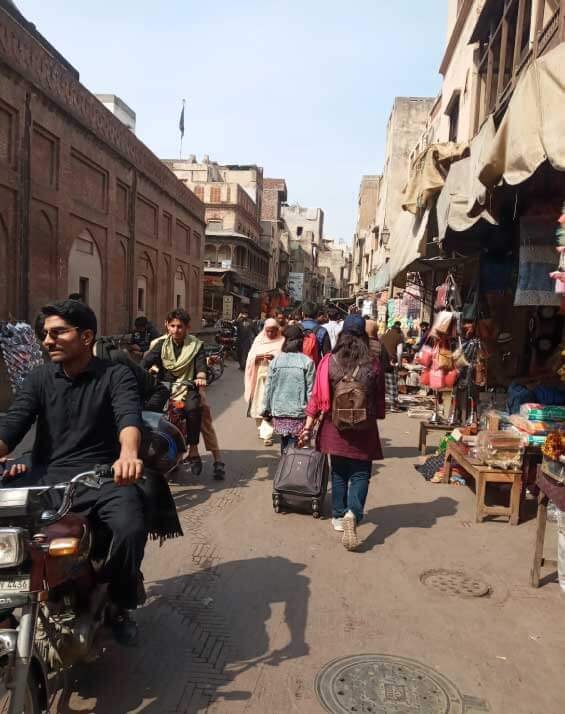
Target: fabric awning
{"points": [[461, 202], [407, 241], [428, 174], [531, 131], [380, 280]]}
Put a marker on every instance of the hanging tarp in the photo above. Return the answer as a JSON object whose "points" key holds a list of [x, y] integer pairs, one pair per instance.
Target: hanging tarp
{"points": [[531, 131], [428, 173], [407, 241]]}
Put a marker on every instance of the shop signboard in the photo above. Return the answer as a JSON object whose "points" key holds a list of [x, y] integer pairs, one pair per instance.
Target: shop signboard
{"points": [[367, 308], [296, 286], [227, 312]]}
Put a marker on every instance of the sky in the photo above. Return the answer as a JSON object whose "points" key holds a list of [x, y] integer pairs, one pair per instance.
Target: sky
{"points": [[303, 88]]}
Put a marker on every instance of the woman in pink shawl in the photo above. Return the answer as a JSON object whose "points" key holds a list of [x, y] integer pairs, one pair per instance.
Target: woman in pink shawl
{"points": [[267, 345]]}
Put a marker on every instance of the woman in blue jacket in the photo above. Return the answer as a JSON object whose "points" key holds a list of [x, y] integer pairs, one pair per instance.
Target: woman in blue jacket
{"points": [[288, 389]]}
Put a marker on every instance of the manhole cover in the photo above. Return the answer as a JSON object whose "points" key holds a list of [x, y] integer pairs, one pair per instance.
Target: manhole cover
{"points": [[382, 684], [454, 582]]}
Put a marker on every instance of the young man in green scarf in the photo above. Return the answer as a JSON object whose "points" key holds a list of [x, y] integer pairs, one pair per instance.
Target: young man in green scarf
{"points": [[180, 357]]}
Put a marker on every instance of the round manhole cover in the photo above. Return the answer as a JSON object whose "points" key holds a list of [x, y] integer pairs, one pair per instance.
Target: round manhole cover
{"points": [[382, 684], [454, 582]]}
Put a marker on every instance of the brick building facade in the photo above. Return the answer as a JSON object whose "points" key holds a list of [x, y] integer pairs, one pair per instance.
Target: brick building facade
{"points": [[84, 205]]}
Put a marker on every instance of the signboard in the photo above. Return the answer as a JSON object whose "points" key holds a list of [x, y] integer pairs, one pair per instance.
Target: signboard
{"points": [[367, 309], [227, 312], [296, 286], [226, 264]]}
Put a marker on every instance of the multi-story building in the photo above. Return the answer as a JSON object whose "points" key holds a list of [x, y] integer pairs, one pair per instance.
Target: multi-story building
{"points": [[236, 255], [363, 237], [84, 205], [274, 197], [305, 227], [333, 266]]}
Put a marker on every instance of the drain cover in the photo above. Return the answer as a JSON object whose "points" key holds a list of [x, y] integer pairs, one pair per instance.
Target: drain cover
{"points": [[382, 684], [454, 582]]}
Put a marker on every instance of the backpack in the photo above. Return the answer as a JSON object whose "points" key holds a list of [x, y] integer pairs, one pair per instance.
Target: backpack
{"points": [[349, 404], [311, 346]]}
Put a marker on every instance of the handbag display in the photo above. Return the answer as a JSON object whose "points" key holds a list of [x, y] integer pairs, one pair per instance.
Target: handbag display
{"points": [[451, 378], [425, 356], [425, 378], [444, 359], [437, 379], [459, 358], [442, 322]]}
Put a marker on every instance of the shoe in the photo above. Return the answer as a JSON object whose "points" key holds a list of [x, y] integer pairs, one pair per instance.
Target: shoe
{"points": [[350, 539], [268, 442], [219, 470], [337, 524], [124, 628], [195, 465]]}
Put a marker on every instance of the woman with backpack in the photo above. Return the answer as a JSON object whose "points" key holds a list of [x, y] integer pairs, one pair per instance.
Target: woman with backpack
{"points": [[348, 398], [289, 386], [266, 346]]}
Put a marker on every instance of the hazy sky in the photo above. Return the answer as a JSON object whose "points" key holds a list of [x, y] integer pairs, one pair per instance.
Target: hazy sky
{"points": [[302, 88]]}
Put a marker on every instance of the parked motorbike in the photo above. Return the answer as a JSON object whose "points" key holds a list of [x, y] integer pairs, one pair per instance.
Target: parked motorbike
{"points": [[226, 337], [52, 607], [215, 362]]}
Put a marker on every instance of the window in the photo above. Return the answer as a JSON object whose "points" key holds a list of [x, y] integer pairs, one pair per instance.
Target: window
{"points": [[83, 284], [299, 231], [216, 195], [179, 301], [199, 191], [452, 112], [141, 299]]}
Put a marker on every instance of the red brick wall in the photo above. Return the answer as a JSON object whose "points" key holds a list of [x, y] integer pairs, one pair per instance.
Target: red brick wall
{"points": [[67, 165]]}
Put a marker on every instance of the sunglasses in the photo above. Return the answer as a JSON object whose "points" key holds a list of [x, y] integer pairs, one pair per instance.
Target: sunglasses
{"points": [[56, 332]]}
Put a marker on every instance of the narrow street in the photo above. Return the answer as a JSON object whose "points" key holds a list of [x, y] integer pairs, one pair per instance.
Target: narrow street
{"points": [[249, 606]]}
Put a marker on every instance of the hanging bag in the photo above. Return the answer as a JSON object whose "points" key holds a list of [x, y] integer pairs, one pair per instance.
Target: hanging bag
{"points": [[459, 359], [437, 379]]}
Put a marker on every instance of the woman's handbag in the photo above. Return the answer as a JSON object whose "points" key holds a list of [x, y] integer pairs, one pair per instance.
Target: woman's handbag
{"points": [[425, 356], [445, 359], [442, 322], [425, 378], [459, 358], [451, 378], [437, 379]]}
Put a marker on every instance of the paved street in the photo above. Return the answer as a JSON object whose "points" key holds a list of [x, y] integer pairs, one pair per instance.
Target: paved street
{"points": [[246, 609]]}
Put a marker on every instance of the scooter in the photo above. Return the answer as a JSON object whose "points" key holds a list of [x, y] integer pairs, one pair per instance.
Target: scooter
{"points": [[52, 606]]}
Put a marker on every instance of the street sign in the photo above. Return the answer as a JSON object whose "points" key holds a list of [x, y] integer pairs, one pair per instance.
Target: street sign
{"points": [[227, 312]]}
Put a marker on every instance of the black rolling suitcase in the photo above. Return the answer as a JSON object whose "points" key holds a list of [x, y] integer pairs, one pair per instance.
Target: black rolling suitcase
{"points": [[301, 479]]}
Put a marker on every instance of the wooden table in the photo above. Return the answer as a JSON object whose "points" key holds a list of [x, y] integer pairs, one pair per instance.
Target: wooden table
{"points": [[425, 426], [484, 475]]}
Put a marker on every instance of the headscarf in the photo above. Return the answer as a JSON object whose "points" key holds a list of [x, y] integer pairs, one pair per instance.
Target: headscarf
{"points": [[262, 345], [354, 325]]}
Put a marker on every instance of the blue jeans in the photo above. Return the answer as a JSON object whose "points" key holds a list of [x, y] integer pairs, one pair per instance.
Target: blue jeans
{"points": [[350, 485], [288, 440]]}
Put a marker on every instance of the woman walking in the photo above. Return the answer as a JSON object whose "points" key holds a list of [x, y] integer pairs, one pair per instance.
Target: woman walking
{"points": [[352, 450], [289, 386], [266, 346]]}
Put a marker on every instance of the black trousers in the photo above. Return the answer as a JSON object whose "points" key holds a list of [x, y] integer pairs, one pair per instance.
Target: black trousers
{"points": [[120, 509]]}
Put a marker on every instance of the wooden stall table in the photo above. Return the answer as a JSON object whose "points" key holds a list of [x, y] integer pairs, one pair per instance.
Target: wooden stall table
{"points": [[425, 427], [484, 475], [547, 489]]}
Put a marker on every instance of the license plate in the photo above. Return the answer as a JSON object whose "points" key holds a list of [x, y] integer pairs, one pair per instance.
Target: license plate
{"points": [[15, 584]]}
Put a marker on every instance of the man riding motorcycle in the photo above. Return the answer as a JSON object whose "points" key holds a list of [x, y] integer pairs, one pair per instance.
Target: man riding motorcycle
{"points": [[88, 412]]}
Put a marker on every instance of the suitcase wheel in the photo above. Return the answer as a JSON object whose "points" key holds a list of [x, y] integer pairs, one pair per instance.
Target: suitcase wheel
{"points": [[315, 508], [276, 503]]}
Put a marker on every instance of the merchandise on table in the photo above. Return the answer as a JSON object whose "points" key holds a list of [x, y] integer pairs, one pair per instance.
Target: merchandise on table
{"points": [[20, 350], [540, 412], [529, 426], [500, 449], [554, 447]]}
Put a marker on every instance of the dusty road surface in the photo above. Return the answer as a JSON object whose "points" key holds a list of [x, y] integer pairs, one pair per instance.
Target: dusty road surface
{"points": [[247, 609]]}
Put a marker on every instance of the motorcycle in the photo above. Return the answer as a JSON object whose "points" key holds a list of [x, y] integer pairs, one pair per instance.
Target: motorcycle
{"points": [[52, 607], [215, 362], [226, 337]]}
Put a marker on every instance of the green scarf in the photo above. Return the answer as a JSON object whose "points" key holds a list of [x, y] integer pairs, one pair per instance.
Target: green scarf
{"points": [[183, 367]]}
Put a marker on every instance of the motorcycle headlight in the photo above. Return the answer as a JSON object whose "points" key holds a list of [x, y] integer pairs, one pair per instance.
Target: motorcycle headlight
{"points": [[11, 547]]}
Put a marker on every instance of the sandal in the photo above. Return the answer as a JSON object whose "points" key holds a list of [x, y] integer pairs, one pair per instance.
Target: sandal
{"points": [[219, 470], [268, 442]]}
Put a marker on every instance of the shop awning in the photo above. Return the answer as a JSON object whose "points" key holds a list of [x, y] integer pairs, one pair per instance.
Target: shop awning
{"points": [[428, 174], [380, 280], [407, 241], [531, 131]]}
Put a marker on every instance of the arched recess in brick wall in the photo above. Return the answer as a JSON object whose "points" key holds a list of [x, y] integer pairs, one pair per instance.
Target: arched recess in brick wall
{"points": [[3, 270], [166, 287], [211, 252], [180, 288], [42, 261], [195, 290], [85, 271], [224, 253], [146, 288]]}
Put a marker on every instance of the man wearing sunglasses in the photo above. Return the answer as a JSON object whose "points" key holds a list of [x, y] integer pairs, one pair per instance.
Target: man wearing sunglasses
{"points": [[88, 412]]}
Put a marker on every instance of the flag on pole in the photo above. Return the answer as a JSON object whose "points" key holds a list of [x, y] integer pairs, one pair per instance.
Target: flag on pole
{"points": [[181, 121]]}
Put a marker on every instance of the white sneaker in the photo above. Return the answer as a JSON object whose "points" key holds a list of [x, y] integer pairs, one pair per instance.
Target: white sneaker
{"points": [[350, 539], [337, 524]]}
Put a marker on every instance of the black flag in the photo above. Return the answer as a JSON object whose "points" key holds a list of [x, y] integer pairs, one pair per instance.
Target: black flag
{"points": [[181, 122]]}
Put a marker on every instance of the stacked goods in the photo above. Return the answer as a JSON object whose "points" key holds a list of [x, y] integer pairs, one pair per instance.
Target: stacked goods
{"points": [[554, 455], [540, 412], [500, 449]]}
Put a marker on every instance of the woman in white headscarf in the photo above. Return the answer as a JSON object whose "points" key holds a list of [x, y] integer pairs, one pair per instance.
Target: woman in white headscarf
{"points": [[267, 345]]}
